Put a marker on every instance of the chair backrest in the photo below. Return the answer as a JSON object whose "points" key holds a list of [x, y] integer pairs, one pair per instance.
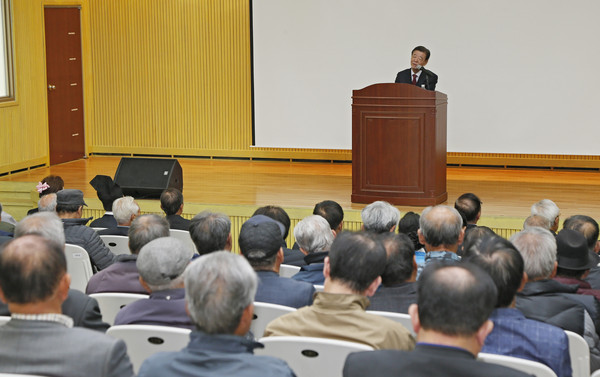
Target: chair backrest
{"points": [[580, 354], [97, 229], [184, 236], [145, 340], [402, 318], [110, 303], [319, 288], [19, 375], [524, 365], [4, 319], [309, 357], [287, 270], [265, 313], [117, 244], [79, 266], [596, 373]]}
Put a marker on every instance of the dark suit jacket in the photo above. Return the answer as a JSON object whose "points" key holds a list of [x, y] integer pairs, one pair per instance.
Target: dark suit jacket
{"points": [[83, 309], [122, 277], [115, 231], [106, 221], [294, 257], [405, 77], [426, 360], [178, 222], [274, 289], [396, 298]]}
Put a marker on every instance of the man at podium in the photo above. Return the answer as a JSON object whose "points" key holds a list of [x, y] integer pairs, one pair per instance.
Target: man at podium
{"points": [[417, 74]]}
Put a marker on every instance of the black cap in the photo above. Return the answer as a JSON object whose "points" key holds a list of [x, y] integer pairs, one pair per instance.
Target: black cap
{"points": [[573, 252]]}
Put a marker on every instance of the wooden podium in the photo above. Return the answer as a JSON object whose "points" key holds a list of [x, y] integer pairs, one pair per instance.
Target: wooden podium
{"points": [[399, 145]]}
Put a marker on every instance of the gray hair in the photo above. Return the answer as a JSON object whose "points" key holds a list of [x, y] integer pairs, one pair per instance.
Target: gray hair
{"points": [[538, 248], [144, 229], [161, 263], [313, 234], [210, 231], [47, 203], [380, 217], [440, 225], [123, 208], [546, 208], [218, 287], [537, 221], [45, 224]]}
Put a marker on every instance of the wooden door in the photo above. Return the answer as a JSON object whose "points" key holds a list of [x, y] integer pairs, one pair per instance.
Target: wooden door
{"points": [[64, 84]]}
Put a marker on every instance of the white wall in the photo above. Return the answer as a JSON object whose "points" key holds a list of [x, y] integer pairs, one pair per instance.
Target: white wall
{"points": [[519, 74]]}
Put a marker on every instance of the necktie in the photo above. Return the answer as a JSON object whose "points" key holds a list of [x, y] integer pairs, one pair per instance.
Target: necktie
{"points": [[414, 79]]}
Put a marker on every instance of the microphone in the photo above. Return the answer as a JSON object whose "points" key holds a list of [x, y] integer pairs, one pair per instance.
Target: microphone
{"points": [[426, 73]]}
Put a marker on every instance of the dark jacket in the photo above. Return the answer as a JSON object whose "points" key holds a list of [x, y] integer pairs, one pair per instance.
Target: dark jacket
{"points": [[77, 233], [178, 222], [106, 221], [396, 298]]}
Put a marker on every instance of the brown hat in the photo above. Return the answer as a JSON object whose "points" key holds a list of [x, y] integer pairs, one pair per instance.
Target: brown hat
{"points": [[573, 252]]}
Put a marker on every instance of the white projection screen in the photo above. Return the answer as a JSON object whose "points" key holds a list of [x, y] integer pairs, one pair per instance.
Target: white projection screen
{"points": [[519, 74]]}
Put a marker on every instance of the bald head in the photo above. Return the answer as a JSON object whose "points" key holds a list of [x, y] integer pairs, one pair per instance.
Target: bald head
{"points": [[441, 226], [47, 203]]}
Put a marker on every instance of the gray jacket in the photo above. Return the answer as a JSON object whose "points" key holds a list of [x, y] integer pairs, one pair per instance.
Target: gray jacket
{"points": [[76, 233]]}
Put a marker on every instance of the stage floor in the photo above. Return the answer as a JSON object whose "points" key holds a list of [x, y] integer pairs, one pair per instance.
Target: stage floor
{"points": [[504, 192]]}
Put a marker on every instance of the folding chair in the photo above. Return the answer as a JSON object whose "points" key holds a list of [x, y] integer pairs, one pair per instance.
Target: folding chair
{"points": [[79, 266], [110, 303], [117, 244], [265, 313]]}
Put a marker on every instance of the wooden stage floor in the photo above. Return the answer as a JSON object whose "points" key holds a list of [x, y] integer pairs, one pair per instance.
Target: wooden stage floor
{"points": [[504, 192]]}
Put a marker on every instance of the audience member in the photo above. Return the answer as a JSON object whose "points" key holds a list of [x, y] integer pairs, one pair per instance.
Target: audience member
{"points": [[161, 264], [260, 243], [7, 217], [332, 212], [108, 191], [314, 237], [171, 202], [547, 300], [513, 334], [537, 221], [5, 226], [470, 205], [83, 309], [399, 289], [473, 237], [39, 339], [589, 228], [124, 210], [352, 273], [49, 185], [219, 292], [380, 217], [575, 261], [290, 256], [211, 232], [409, 225], [69, 207], [123, 275], [548, 210], [451, 322], [47, 203]]}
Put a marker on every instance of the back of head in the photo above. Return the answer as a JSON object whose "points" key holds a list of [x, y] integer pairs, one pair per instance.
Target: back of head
{"points": [[330, 211], [30, 269], [218, 287], [124, 208], [547, 209], [260, 243], [503, 262], [536, 221], [585, 225], [69, 201], [473, 237], [409, 225], [51, 184], [356, 259], [47, 203], [379, 217], [44, 224], [144, 229], [538, 249], [313, 234], [161, 263], [210, 231], [399, 263], [278, 214], [440, 225], [454, 299], [171, 200], [470, 205]]}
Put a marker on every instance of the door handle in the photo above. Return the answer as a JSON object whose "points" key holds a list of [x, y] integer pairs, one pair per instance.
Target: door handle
{"points": [[51, 87]]}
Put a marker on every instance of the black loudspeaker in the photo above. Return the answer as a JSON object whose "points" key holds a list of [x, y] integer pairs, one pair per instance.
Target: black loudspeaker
{"points": [[147, 178]]}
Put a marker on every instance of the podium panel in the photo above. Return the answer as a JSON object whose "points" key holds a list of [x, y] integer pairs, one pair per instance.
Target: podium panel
{"points": [[399, 145]]}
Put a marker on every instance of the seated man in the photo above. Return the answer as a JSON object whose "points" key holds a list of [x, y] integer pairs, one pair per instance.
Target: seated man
{"points": [[171, 202], [124, 210], [260, 243], [513, 334], [352, 273], [451, 322], [210, 232], [39, 339], [108, 191], [123, 275], [219, 292], [380, 217], [548, 210], [399, 289], [290, 256], [5, 226], [314, 237], [469, 205], [161, 264]]}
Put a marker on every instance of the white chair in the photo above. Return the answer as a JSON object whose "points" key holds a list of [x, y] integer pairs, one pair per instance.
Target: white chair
{"points": [[318, 288], [287, 270], [4, 319], [184, 236], [145, 340], [309, 357], [402, 318], [265, 313], [596, 373], [524, 365], [110, 303], [580, 354], [117, 244], [79, 266]]}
